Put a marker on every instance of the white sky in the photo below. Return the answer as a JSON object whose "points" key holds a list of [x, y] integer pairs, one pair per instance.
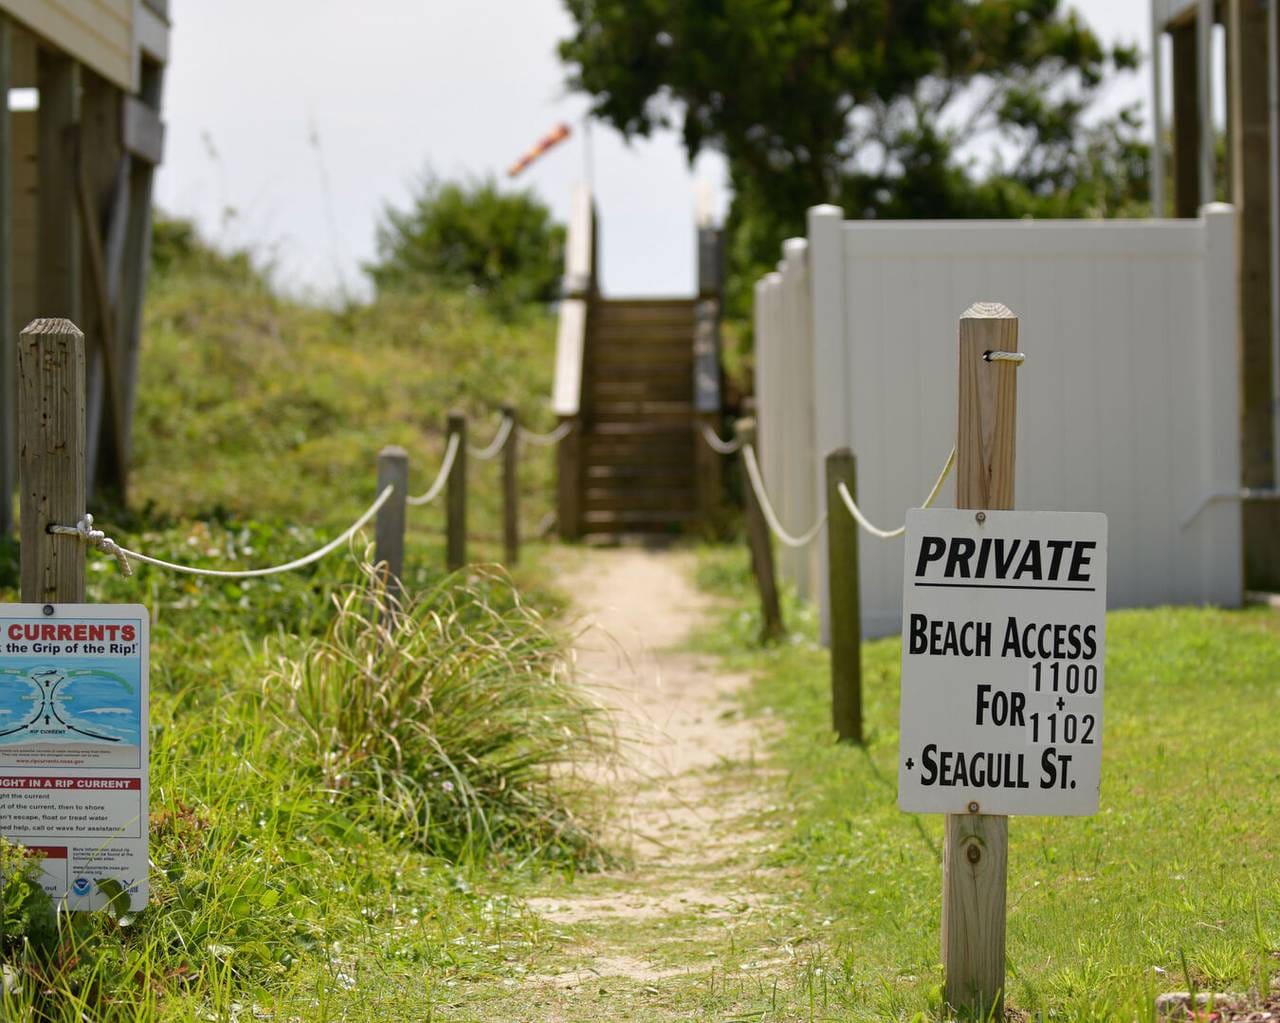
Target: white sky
{"points": [[404, 84]]}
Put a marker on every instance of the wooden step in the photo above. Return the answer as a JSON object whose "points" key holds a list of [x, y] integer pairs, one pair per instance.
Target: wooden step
{"points": [[622, 522], [643, 355], [648, 500], [622, 407], [639, 474], [655, 376]]}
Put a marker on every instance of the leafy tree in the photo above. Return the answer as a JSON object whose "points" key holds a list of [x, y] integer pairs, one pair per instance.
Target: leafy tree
{"points": [[891, 108], [472, 234]]}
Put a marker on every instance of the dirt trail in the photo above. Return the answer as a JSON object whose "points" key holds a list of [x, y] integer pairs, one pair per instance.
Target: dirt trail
{"points": [[694, 810]]}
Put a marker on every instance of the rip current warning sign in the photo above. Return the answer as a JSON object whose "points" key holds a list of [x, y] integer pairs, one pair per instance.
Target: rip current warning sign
{"points": [[1003, 623], [73, 745]]}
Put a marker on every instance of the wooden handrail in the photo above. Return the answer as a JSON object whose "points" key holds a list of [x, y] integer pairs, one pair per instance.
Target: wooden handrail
{"points": [[579, 286]]}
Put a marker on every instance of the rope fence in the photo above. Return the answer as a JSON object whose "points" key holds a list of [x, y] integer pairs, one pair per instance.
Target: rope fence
{"points": [[546, 440], [87, 533], [98, 539], [497, 444], [720, 447], [446, 469]]}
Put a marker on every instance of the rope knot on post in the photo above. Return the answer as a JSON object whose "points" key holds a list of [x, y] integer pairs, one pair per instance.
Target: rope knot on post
{"points": [[84, 530]]}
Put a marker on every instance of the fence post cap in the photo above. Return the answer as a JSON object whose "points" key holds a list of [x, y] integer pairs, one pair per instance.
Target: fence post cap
{"points": [[52, 325], [393, 451]]}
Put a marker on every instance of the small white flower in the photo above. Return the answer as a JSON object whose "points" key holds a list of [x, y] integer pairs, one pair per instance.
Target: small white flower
{"points": [[447, 786]]}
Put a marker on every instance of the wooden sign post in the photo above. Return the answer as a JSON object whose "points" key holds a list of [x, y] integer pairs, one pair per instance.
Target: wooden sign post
{"points": [[976, 848]]}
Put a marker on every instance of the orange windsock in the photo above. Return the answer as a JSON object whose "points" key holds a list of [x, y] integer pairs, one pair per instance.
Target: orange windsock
{"points": [[553, 138]]}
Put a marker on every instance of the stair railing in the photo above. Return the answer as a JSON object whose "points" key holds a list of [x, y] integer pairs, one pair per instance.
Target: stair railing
{"points": [[571, 347]]}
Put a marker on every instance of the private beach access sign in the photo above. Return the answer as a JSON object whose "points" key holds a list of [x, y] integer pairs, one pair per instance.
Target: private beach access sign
{"points": [[1003, 625], [73, 745]]}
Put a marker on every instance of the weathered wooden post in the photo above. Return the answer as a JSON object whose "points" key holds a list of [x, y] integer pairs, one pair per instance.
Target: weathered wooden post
{"points": [[393, 471], [759, 543], [456, 496], [511, 488], [843, 599], [976, 850], [51, 445]]}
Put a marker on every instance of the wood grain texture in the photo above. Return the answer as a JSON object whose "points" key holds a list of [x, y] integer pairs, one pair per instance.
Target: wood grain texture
{"points": [[393, 471], [51, 442], [456, 497], [511, 489], [976, 845], [843, 599], [569, 477], [988, 409], [974, 881]]}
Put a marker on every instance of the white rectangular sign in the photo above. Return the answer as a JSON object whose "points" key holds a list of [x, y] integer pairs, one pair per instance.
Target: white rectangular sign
{"points": [[74, 705], [1003, 622]]}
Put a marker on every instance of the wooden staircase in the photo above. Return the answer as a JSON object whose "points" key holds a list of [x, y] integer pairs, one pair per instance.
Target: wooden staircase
{"points": [[635, 381], [638, 419]]}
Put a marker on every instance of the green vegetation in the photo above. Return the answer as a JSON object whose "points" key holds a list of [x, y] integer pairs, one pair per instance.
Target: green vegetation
{"points": [[1174, 885], [471, 234], [937, 108], [340, 791]]}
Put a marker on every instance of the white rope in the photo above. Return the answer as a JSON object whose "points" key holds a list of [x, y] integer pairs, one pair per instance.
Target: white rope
{"points": [[720, 447], [95, 537], [450, 453], [770, 516], [498, 443], [889, 534], [547, 439], [1017, 358]]}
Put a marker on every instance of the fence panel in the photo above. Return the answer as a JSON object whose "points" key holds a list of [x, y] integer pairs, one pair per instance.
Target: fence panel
{"points": [[1127, 401]]}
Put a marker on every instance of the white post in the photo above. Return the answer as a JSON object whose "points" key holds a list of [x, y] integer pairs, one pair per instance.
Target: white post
{"points": [[832, 420]]}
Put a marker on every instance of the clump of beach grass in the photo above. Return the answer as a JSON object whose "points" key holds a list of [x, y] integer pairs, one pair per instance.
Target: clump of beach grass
{"points": [[451, 716]]}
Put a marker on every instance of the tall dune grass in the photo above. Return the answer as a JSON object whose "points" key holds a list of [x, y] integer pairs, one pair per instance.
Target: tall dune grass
{"points": [[452, 718]]}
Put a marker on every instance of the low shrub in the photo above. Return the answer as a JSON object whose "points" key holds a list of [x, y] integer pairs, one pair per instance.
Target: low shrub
{"points": [[452, 717]]}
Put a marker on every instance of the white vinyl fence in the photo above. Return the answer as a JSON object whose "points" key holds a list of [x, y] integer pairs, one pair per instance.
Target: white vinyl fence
{"points": [[1127, 401]]}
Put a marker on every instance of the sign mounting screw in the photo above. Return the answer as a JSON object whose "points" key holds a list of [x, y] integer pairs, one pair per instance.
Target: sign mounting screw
{"points": [[48, 609], [973, 807]]}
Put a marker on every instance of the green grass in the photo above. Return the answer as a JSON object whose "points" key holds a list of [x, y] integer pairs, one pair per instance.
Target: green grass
{"points": [[299, 867], [1175, 883]]}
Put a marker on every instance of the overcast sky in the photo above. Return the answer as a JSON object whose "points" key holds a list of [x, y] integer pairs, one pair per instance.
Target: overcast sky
{"points": [[291, 123]]}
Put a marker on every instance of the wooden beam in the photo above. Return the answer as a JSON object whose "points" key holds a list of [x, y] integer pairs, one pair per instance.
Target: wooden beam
{"points": [[133, 262], [58, 273], [1251, 192], [1186, 123], [143, 131], [8, 351], [97, 164]]}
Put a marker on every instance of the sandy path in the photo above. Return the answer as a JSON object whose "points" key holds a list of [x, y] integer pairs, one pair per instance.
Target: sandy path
{"points": [[692, 801]]}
